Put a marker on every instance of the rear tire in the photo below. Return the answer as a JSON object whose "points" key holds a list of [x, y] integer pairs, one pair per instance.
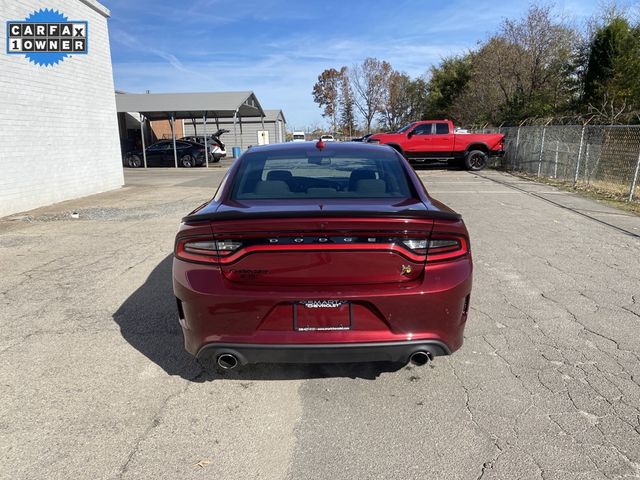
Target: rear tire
{"points": [[135, 161], [475, 160], [187, 161]]}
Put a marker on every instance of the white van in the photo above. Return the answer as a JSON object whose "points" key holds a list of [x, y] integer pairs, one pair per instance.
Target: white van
{"points": [[299, 137]]}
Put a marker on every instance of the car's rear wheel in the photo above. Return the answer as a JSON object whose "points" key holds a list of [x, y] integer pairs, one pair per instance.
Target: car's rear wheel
{"points": [[475, 160], [135, 161], [187, 161]]}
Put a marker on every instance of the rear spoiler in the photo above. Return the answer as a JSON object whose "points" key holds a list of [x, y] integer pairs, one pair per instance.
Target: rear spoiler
{"points": [[239, 215]]}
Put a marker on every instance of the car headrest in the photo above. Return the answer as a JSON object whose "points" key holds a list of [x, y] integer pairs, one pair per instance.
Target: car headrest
{"points": [[371, 187], [360, 174], [279, 175], [272, 187]]}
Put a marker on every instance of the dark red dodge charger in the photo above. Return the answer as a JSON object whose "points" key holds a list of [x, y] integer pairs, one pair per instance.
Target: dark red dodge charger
{"points": [[313, 252]]}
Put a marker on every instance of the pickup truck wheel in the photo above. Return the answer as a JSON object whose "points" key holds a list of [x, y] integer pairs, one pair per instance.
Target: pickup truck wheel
{"points": [[475, 160]]}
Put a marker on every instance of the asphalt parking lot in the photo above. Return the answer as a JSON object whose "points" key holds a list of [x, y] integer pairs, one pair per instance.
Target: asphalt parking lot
{"points": [[95, 383]]}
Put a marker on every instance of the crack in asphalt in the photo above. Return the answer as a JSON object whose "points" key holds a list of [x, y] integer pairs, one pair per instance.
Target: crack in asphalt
{"points": [[156, 420], [587, 329], [490, 463], [583, 377]]}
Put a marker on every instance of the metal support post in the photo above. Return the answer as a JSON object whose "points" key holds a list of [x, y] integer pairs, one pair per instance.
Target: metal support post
{"points": [[575, 176], [555, 165], [632, 190], [206, 142], [586, 164], [517, 145], [173, 137], [544, 132], [235, 129], [517, 157], [144, 149]]}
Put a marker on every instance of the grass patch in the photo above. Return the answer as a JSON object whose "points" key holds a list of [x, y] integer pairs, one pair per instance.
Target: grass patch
{"points": [[602, 195]]}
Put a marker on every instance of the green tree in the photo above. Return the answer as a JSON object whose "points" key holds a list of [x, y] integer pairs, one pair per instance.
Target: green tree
{"points": [[612, 77], [347, 115], [326, 93], [520, 72], [446, 84], [486, 96]]}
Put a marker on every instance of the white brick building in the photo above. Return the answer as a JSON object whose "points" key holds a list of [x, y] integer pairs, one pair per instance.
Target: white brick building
{"points": [[58, 123]]}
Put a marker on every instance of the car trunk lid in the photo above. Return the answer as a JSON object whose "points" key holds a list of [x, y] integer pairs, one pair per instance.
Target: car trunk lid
{"points": [[322, 244]]}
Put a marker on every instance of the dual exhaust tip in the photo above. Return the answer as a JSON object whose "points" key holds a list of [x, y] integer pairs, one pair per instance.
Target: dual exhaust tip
{"points": [[420, 358], [228, 361]]}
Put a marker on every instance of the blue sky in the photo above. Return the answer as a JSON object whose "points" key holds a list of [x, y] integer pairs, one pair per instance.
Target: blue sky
{"points": [[277, 48]]}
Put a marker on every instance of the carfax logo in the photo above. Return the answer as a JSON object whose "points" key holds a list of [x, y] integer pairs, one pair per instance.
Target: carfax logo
{"points": [[46, 37]]}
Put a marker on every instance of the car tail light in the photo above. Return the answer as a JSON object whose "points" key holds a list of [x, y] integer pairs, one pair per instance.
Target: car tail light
{"points": [[416, 245], [446, 247], [205, 250]]}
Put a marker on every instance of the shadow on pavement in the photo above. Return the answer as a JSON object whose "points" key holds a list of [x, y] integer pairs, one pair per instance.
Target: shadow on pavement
{"points": [[148, 320], [437, 166]]}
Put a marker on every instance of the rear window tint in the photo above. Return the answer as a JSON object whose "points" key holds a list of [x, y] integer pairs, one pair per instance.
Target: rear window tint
{"points": [[318, 175], [442, 128]]}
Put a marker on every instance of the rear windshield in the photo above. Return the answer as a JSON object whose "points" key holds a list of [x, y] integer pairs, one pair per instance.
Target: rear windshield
{"points": [[321, 175]]}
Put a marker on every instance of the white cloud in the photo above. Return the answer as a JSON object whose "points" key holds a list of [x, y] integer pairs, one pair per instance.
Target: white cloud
{"points": [[281, 66]]}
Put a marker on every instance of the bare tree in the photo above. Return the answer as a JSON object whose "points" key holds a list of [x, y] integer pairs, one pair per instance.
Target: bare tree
{"points": [[612, 110], [396, 109], [545, 45], [369, 80], [487, 95]]}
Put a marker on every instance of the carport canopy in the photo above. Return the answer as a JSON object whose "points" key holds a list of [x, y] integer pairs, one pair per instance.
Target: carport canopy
{"points": [[172, 106]]}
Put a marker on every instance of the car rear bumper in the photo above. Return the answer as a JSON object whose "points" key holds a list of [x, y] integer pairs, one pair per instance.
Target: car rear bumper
{"points": [[496, 153], [388, 321], [396, 352]]}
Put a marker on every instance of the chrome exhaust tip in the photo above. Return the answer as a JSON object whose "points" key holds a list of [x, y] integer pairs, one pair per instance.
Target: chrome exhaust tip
{"points": [[227, 361], [420, 358]]}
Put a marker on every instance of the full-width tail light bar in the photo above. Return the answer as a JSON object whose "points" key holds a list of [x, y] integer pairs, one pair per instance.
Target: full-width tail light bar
{"points": [[440, 247]]}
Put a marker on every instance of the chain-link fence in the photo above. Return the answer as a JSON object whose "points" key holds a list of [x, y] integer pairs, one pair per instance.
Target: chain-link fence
{"points": [[599, 156]]}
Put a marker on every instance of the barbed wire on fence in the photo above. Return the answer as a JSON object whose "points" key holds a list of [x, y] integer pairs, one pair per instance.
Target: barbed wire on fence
{"points": [[605, 157]]}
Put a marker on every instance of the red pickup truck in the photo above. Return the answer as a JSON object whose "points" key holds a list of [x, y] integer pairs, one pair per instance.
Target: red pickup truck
{"points": [[436, 140]]}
